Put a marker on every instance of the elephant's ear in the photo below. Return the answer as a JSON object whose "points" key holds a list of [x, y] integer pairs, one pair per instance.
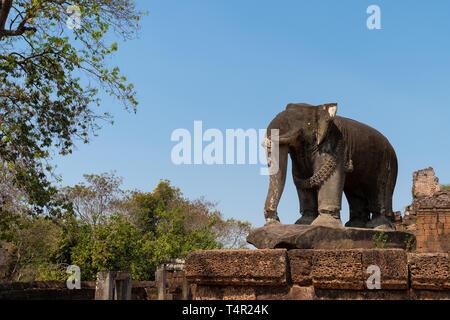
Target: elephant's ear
{"points": [[325, 116]]}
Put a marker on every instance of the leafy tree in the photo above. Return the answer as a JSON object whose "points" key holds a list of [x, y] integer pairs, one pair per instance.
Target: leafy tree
{"points": [[139, 228], [29, 247], [44, 104], [114, 248], [13, 203], [110, 229], [171, 240], [445, 187], [143, 208], [102, 196], [119, 245], [146, 211], [232, 233]]}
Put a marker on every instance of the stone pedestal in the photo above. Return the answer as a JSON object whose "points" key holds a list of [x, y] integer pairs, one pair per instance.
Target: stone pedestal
{"points": [[317, 274], [319, 237]]}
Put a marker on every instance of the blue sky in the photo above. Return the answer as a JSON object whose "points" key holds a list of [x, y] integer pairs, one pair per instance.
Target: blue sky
{"points": [[237, 63]]}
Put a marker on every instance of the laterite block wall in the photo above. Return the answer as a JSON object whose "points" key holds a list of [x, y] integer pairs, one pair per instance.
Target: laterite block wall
{"points": [[433, 223], [317, 274], [57, 290]]}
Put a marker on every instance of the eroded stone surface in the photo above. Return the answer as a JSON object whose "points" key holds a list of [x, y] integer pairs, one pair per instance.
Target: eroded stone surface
{"points": [[425, 183], [258, 267], [439, 200], [393, 267], [429, 271], [301, 264], [320, 237], [306, 274], [338, 269]]}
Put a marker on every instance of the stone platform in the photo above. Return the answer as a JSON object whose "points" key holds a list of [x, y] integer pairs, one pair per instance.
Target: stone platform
{"points": [[317, 274], [293, 236]]}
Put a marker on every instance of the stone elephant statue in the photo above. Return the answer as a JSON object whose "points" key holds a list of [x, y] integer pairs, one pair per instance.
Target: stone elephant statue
{"points": [[331, 155]]}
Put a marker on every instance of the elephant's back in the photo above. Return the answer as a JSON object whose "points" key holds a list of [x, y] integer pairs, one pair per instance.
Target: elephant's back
{"points": [[362, 138], [370, 151]]}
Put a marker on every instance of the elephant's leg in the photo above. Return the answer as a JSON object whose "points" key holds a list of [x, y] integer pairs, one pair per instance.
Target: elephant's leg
{"points": [[380, 222], [330, 199], [277, 164], [308, 205], [381, 209], [359, 210], [380, 204]]}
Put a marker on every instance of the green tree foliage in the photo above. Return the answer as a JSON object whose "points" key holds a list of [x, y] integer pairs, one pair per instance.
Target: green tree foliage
{"points": [[44, 104], [92, 202], [445, 187], [146, 208], [110, 229], [30, 241]]}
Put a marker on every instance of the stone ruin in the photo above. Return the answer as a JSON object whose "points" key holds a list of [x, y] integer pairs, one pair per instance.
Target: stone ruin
{"points": [[428, 217], [170, 280], [409, 273], [171, 284], [433, 223], [113, 286], [295, 265], [425, 184], [318, 274]]}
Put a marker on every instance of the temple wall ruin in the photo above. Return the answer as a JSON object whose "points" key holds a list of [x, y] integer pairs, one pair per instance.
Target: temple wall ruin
{"points": [[306, 274], [313, 274], [428, 217], [425, 183], [57, 290], [317, 274], [433, 223]]}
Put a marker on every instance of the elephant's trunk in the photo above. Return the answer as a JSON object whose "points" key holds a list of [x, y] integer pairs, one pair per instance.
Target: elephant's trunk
{"points": [[289, 137], [277, 168]]}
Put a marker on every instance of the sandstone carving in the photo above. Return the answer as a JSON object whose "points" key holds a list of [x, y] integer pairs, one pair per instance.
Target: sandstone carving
{"points": [[331, 155]]}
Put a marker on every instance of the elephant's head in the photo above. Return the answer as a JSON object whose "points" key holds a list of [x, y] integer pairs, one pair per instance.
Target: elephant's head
{"points": [[299, 123], [304, 121]]}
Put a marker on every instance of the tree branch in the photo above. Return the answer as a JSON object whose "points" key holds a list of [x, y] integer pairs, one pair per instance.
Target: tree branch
{"points": [[4, 13], [5, 7]]}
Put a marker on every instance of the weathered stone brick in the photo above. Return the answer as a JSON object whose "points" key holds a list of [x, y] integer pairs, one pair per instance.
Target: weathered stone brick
{"points": [[393, 267], [300, 262], [425, 183], [429, 271], [243, 267], [301, 293], [338, 269], [238, 293]]}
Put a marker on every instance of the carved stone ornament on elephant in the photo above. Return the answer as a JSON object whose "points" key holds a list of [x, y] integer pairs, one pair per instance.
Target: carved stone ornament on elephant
{"points": [[331, 155]]}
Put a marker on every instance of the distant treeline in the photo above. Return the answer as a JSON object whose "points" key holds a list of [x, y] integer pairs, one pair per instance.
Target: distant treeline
{"points": [[106, 228]]}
